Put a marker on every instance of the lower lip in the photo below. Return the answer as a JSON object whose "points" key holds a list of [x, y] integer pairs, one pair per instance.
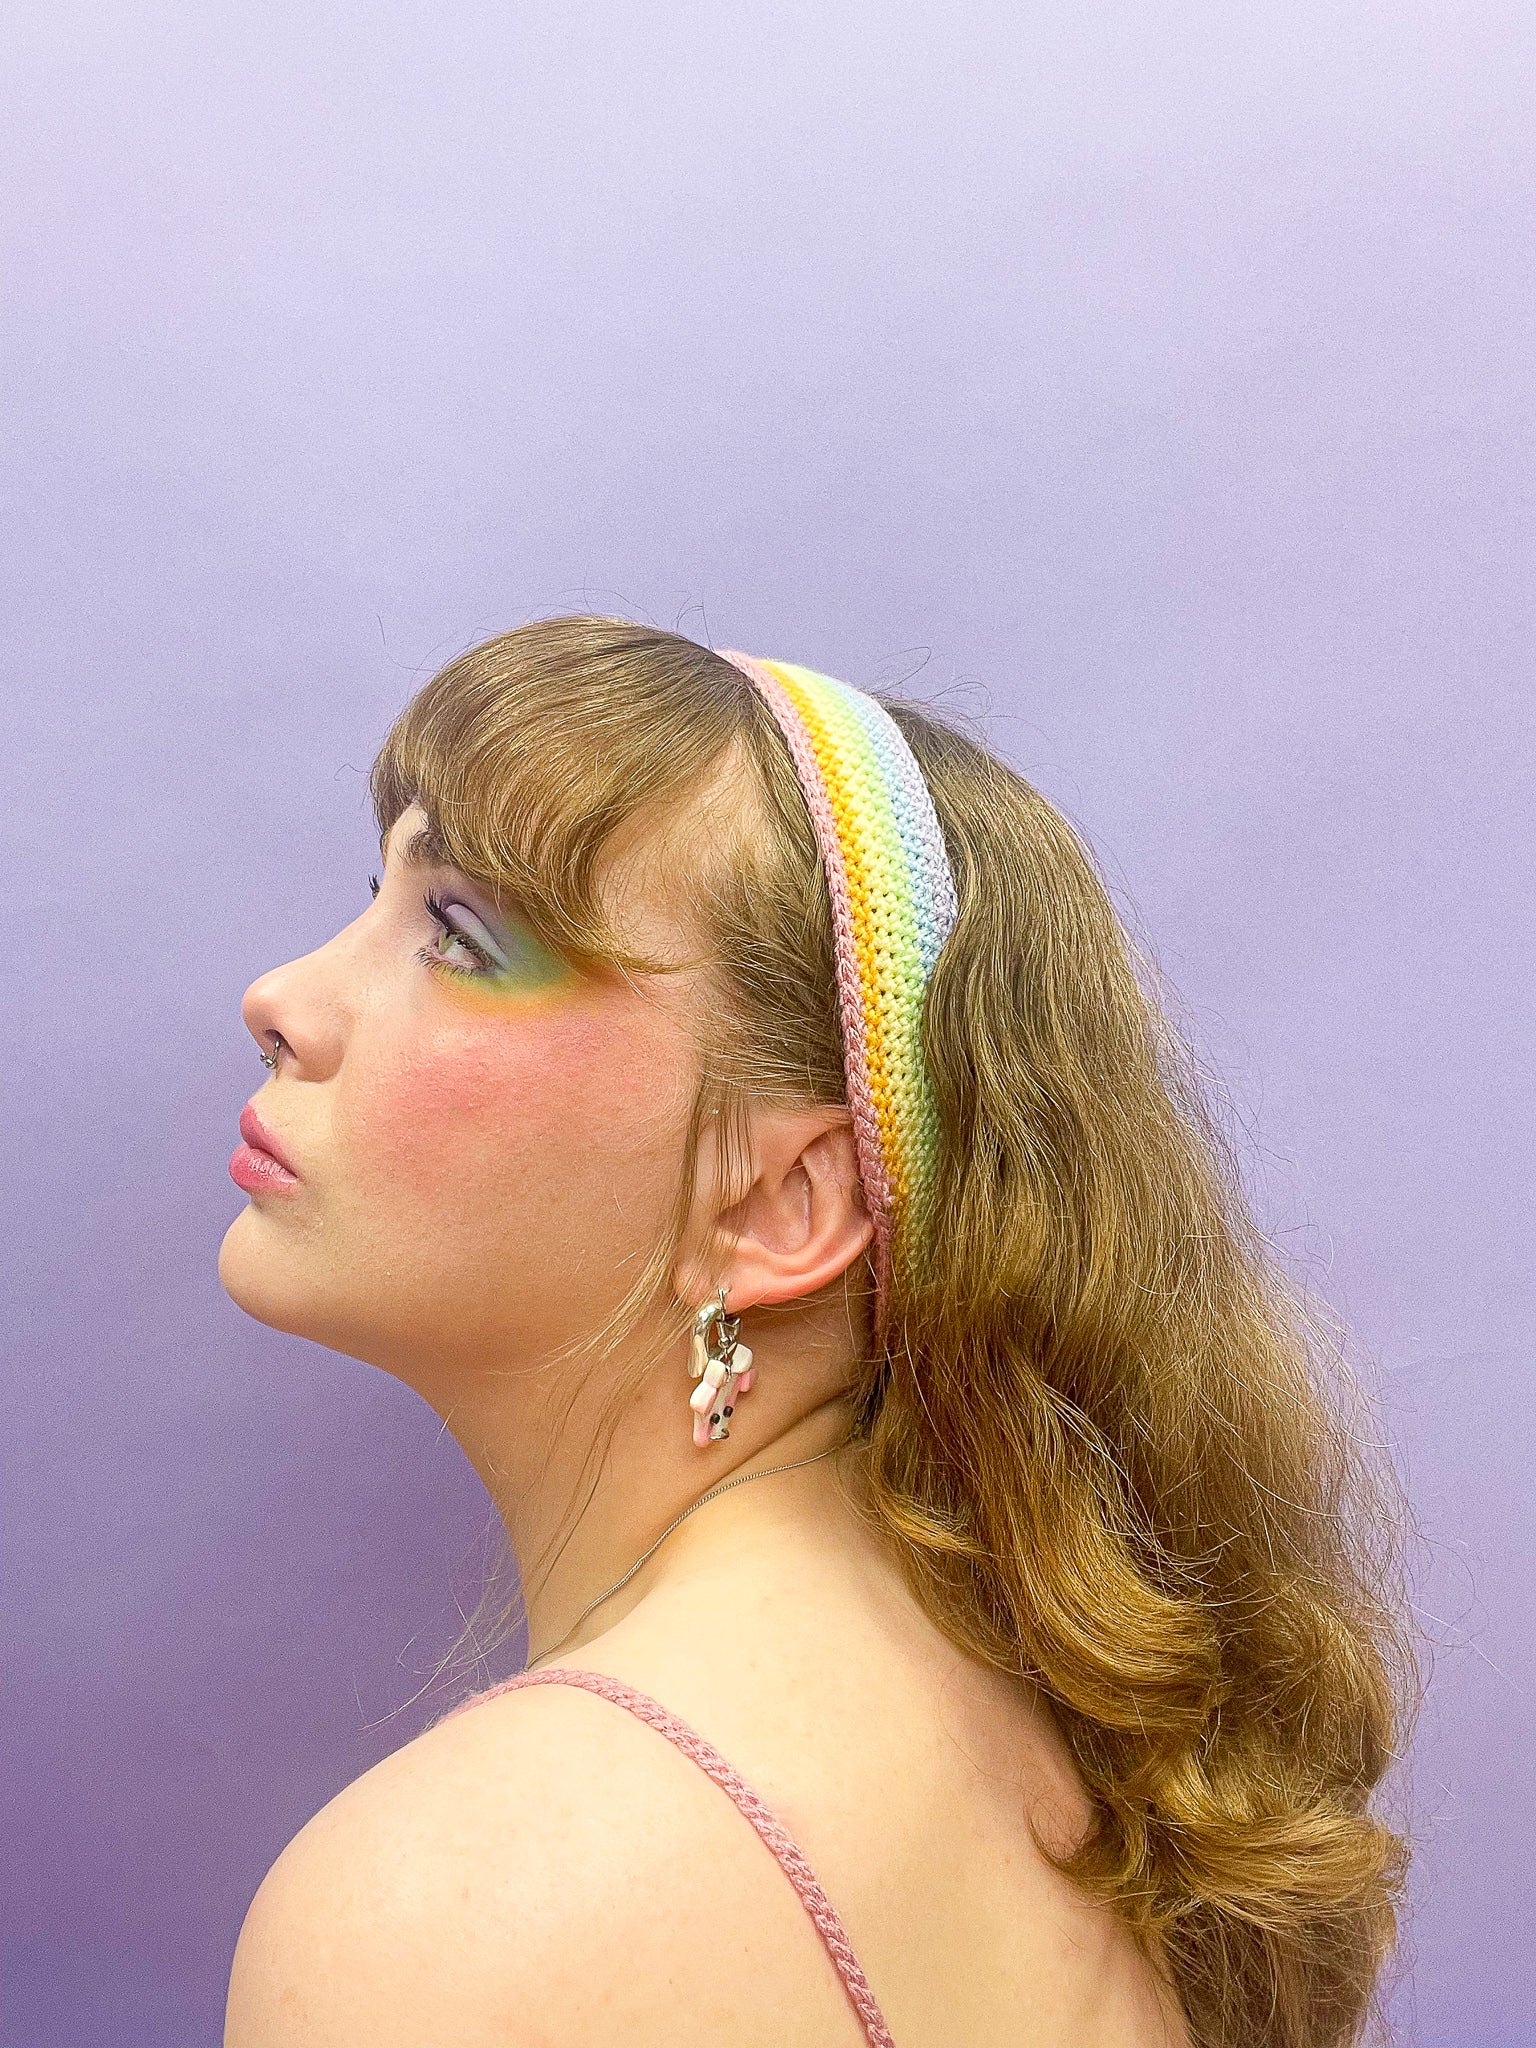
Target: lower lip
{"points": [[258, 1172]]}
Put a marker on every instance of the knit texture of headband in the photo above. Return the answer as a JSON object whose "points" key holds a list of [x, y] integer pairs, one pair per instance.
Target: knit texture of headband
{"points": [[893, 903]]}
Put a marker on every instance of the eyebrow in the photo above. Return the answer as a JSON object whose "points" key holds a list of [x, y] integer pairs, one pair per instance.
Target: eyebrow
{"points": [[424, 848]]}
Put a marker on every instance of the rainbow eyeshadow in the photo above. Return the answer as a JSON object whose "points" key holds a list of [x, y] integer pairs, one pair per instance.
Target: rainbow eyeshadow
{"points": [[514, 965], [893, 905]]}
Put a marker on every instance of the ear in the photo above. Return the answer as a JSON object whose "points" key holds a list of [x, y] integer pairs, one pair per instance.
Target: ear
{"points": [[801, 1222]]}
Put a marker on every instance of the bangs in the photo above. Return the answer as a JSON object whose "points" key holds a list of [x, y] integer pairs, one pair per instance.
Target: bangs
{"points": [[529, 752]]}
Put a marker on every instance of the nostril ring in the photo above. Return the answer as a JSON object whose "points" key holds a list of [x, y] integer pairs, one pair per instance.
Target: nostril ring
{"points": [[269, 1059]]}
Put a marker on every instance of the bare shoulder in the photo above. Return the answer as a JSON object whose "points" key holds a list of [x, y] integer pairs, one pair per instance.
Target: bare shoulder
{"points": [[527, 1872]]}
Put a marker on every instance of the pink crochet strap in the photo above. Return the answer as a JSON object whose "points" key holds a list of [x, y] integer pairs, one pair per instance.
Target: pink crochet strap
{"points": [[772, 1830]]}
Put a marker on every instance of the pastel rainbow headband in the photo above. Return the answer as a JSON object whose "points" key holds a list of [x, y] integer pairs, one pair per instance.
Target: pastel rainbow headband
{"points": [[893, 904]]}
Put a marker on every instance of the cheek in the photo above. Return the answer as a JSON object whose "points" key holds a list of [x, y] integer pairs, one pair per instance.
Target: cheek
{"points": [[519, 1117]]}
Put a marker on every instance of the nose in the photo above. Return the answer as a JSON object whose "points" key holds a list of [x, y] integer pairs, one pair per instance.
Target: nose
{"points": [[303, 1004]]}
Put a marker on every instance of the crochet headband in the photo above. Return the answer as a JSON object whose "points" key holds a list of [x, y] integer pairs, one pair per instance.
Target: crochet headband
{"points": [[893, 903]]}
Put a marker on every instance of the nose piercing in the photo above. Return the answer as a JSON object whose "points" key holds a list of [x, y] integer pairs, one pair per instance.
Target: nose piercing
{"points": [[269, 1059]]}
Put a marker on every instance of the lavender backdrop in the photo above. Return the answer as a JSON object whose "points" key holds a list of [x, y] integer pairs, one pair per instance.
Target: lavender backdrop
{"points": [[1165, 369]]}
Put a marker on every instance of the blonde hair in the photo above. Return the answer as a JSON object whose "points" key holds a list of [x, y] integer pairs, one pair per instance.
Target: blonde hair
{"points": [[1109, 1438]]}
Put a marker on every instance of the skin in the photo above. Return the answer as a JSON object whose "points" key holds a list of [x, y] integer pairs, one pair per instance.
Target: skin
{"points": [[486, 1161]]}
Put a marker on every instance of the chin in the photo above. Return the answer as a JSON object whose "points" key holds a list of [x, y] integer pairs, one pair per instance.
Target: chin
{"points": [[258, 1275], [263, 1271]]}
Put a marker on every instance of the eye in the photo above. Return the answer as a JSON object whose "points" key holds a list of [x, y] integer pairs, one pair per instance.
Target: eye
{"points": [[450, 924], [373, 884], [495, 949]]}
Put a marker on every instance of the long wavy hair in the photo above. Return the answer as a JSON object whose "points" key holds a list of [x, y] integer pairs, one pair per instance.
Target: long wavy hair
{"points": [[1116, 1447]]}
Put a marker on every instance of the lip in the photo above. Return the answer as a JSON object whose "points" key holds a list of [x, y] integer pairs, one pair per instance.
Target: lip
{"points": [[259, 1165]]}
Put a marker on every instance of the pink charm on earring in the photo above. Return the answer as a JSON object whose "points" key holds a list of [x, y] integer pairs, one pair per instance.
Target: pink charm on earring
{"points": [[723, 1368]]}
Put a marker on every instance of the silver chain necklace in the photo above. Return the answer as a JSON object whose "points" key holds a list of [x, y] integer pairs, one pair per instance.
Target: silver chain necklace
{"points": [[724, 1486]]}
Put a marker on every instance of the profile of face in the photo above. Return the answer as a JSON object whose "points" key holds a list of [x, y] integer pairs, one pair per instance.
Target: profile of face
{"points": [[484, 1142]]}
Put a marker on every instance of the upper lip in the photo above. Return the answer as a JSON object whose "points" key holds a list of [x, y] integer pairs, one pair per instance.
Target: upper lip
{"points": [[256, 1135]]}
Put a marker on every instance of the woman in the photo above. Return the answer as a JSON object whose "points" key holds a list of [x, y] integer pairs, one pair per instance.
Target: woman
{"points": [[735, 1081]]}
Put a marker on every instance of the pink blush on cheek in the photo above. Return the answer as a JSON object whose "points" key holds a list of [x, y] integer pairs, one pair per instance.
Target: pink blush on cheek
{"points": [[550, 1097]]}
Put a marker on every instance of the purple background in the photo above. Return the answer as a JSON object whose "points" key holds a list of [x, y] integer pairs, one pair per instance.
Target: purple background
{"points": [[1165, 370]]}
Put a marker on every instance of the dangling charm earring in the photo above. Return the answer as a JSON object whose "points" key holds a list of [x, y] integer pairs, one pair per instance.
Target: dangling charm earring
{"points": [[722, 1367]]}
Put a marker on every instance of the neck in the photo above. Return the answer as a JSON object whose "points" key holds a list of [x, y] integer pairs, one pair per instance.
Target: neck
{"points": [[688, 1546], [578, 1521]]}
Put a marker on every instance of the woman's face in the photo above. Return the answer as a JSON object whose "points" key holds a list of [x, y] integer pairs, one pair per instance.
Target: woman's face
{"points": [[484, 1143]]}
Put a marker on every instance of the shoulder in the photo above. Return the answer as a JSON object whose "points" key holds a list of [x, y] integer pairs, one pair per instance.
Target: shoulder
{"points": [[508, 1876]]}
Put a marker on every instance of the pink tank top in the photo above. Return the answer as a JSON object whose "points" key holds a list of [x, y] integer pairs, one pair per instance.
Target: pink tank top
{"points": [[769, 1827]]}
